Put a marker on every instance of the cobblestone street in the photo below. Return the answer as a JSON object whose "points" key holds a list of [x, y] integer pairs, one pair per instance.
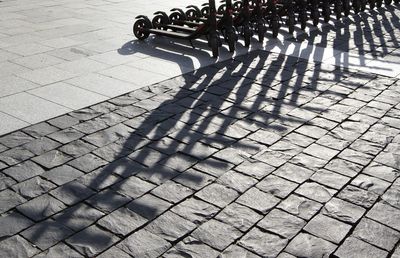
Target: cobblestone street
{"points": [[262, 155]]}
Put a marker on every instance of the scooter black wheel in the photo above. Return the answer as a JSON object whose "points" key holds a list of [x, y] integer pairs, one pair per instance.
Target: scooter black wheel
{"points": [[175, 17], [191, 14], [221, 9], [237, 6], [247, 34], [158, 22], [205, 11], [140, 29]]}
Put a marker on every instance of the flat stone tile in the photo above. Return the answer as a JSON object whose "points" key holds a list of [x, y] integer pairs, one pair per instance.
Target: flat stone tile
{"points": [[354, 248], [305, 245], [67, 95], [37, 61], [47, 75], [51, 233], [17, 246], [92, 241], [263, 243], [124, 73], [11, 123], [13, 223], [29, 108], [13, 84]]}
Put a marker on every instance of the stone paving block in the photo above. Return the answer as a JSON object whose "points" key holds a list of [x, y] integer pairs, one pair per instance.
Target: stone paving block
{"points": [[264, 137], [72, 192], [23, 171], [64, 121], [107, 200], [387, 158], [52, 159], [17, 246], [358, 196], [316, 192], [9, 200], [15, 139], [78, 217], [333, 142], [148, 206], [238, 216], [133, 187], [370, 183], [342, 210], [255, 168], [33, 187], [87, 163], [305, 245], [273, 158], [376, 234], [179, 162], [327, 228], [386, 215], [213, 167], [321, 152], [258, 200], [299, 139], [196, 211], [355, 156], [282, 223], [59, 250], [170, 226], [112, 152], [191, 247], [299, 206], [217, 194], [41, 207], [13, 223], [366, 147], [144, 244], [46, 233], [354, 248], [6, 181], [99, 179], [237, 181], [15, 156], [381, 171], [263, 243], [276, 186], [391, 196], [216, 234], [122, 221], [194, 179], [344, 167], [330, 179], [172, 192], [309, 162], [294, 173], [312, 131], [41, 145], [237, 251], [114, 252], [66, 135], [92, 241]]}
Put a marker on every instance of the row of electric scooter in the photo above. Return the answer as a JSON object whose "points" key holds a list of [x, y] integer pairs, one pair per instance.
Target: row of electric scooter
{"points": [[243, 17]]}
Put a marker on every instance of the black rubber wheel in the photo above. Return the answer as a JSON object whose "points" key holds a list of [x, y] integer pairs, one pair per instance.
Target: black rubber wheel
{"points": [[175, 17], [191, 14], [157, 22], [139, 29], [247, 34], [221, 9], [205, 10]]}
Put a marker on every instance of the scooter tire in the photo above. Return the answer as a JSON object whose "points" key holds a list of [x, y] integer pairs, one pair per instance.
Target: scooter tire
{"points": [[139, 28]]}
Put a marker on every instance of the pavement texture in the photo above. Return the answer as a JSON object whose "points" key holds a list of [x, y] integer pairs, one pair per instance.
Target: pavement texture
{"points": [[262, 155]]}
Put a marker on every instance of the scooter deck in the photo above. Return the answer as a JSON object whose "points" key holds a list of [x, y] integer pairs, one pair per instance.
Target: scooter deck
{"points": [[170, 33], [180, 28]]}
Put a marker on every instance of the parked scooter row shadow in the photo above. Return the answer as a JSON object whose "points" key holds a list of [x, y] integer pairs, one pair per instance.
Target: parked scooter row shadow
{"points": [[244, 18]]}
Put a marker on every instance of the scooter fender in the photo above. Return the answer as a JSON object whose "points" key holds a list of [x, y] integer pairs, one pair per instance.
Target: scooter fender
{"points": [[179, 10], [146, 20], [164, 15]]}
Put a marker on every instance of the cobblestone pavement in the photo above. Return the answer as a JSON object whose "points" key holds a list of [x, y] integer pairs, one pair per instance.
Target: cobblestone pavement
{"points": [[266, 155]]}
